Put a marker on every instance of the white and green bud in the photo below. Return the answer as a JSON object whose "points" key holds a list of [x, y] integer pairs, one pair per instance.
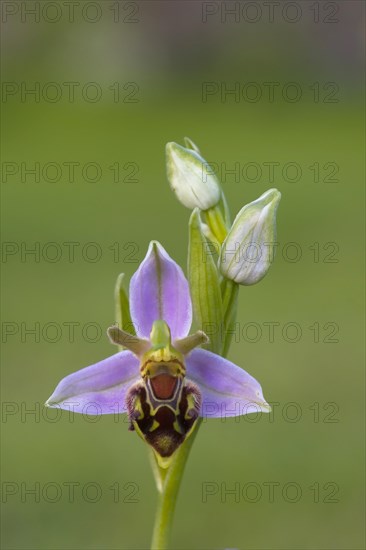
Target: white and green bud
{"points": [[248, 250], [191, 177]]}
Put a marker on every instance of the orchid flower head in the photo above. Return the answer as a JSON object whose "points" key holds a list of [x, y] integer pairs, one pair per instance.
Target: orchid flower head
{"points": [[162, 379]]}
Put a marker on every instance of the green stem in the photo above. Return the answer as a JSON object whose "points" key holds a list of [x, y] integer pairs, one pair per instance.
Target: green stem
{"points": [[168, 497], [159, 473], [216, 223], [230, 291]]}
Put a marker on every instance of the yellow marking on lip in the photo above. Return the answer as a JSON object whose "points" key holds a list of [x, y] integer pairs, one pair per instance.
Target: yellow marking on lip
{"points": [[178, 428], [154, 426], [172, 366]]}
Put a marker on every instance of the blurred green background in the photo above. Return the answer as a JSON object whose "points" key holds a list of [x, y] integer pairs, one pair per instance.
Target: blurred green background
{"points": [[314, 440]]}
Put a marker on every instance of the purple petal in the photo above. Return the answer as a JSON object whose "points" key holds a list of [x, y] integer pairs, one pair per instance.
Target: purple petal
{"points": [[159, 290], [100, 388], [227, 390]]}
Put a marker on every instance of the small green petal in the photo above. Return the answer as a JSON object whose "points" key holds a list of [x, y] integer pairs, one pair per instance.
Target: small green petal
{"points": [[187, 344], [124, 339]]}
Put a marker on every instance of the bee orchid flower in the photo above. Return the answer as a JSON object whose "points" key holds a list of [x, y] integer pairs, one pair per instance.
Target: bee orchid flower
{"points": [[162, 379]]}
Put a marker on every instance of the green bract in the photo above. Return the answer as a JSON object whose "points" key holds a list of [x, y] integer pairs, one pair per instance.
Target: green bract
{"points": [[204, 285]]}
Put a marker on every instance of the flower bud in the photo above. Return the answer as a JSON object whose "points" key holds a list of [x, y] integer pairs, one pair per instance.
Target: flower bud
{"points": [[248, 250], [191, 178]]}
